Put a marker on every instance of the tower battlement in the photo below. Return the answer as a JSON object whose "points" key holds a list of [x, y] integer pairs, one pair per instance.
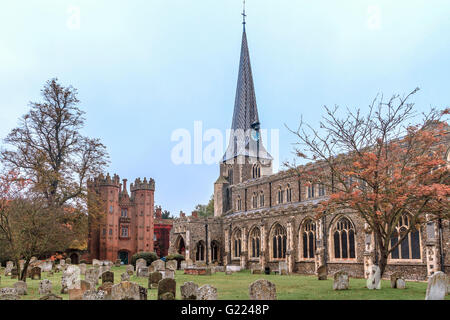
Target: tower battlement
{"points": [[101, 181], [143, 184]]}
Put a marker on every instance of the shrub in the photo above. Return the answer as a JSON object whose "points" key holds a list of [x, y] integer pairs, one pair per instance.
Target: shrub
{"points": [[175, 256], [83, 261], [147, 256]]}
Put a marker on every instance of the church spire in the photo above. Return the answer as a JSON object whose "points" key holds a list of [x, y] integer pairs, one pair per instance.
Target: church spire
{"points": [[245, 115]]}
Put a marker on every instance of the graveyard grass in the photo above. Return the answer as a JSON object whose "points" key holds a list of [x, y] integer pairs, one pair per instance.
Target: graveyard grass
{"points": [[235, 286]]}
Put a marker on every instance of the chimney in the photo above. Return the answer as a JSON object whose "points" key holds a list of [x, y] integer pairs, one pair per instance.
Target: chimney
{"points": [[124, 186], [158, 213]]}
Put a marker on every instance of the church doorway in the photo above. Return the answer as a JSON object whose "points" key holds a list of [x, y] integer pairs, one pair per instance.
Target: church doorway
{"points": [[180, 245], [74, 258], [123, 256]]}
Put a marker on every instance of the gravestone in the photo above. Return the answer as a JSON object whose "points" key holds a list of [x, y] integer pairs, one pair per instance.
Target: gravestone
{"points": [[401, 283], [21, 288], [108, 276], [107, 288], [70, 279], [228, 272], [35, 273], [437, 286], [341, 280], [118, 263], [154, 279], [127, 290], [130, 269], [165, 288], [46, 266], [262, 290], [68, 261], [233, 268], [62, 262], [395, 277], [140, 263], [189, 291], [92, 275], [77, 293], [168, 274], [83, 268], [14, 273], [94, 295], [45, 287], [9, 267], [96, 262], [158, 265], [183, 265], [207, 292], [51, 296], [9, 294], [283, 268], [322, 272], [374, 280], [172, 265], [142, 272], [125, 277], [256, 269]]}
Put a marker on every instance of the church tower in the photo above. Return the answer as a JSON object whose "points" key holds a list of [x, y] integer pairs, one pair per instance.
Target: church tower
{"points": [[245, 158]]}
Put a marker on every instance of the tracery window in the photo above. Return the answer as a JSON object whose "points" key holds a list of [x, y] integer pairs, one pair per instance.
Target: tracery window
{"points": [[254, 200], [237, 243], [409, 248], [279, 242], [308, 239], [344, 239], [311, 191], [256, 171], [238, 203], [200, 251], [288, 193], [261, 199], [321, 190], [280, 195], [255, 242]]}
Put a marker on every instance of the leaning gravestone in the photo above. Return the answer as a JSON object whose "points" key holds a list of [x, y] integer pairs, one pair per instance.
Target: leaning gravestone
{"points": [[374, 280], [21, 288], [125, 276], [70, 279], [92, 275], [130, 269], [207, 292], [154, 279], [127, 290], [262, 290], [45, 287], [35, 273], [341, 280], [108, 276], [172, 265], [167, 287], [9, 294], [189, 291], [50, 296], [437, 286], [322, 272]]}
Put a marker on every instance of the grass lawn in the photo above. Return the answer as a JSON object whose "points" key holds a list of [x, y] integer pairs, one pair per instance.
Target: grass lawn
{"points": [[235, 287]]}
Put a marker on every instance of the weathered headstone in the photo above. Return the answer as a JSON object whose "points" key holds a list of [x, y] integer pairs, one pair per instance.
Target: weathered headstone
{"points": [[130, 269], [83, 268], [35, 273], [118, 263], [395, 277], [183, 265], [154, 279], [92, 275], [107, 288], [189, 291], [207, 292], [96, 262], [108, 276], [168, 274], [46, 266], [77, 293], [70, 279], [158, 265], [125, 276], [256, 269], [437, 286], [283, 268], [140, 263], [51, 296], [21, 288], [262, 290], [322, 272], [45, 287], [127, 290], [341, 280], [94, 295], [9, 294], [166, 286], [9, 267], [142, 272], [62, 262], [374, 280], [172, 265], [68, 261]]}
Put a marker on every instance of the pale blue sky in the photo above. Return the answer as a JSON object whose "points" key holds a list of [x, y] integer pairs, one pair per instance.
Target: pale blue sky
{"points": [[145, 68]]}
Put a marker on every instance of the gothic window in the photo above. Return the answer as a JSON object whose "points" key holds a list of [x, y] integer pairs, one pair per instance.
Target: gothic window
{"points": [[238, 203], [261, 199], [237, 242], [230, 176], [344, 239], [124, 232], [311, 191], [124, 213], [280, 195], [255, 242], [288, 194], [321, 190], [256, 171], [279, 242], [214, 251], [409, 248], [200, 252], [308, 239], [254, 200]]}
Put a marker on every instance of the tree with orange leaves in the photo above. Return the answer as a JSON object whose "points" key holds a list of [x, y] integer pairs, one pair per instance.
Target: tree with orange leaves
{"points": [[380, 166]]}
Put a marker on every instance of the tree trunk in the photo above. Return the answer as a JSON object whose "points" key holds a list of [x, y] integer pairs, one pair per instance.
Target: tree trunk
{"points": [[23, 274]]}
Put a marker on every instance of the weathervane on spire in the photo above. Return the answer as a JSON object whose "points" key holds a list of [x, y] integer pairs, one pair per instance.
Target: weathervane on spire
{"points": [[244, 15]]}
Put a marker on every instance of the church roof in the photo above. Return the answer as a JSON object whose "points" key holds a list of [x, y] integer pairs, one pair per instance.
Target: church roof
{"points": [[245, 113]]}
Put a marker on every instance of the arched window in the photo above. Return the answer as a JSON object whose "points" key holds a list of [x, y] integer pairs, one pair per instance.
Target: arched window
{"points": [[288, 193], [230, 176], [321, 190], [254, 201], [344, 239], [200, 251], [409, 248], [261, 199], [238, 203], [311, 191], [237, 243], [256, 171], [280, 195], [255, 241], [279, 242], [214, 251], [308, 239]]}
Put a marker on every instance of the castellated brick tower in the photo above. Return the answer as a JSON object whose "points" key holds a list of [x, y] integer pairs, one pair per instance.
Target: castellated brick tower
{"points": [[123, 225]]}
